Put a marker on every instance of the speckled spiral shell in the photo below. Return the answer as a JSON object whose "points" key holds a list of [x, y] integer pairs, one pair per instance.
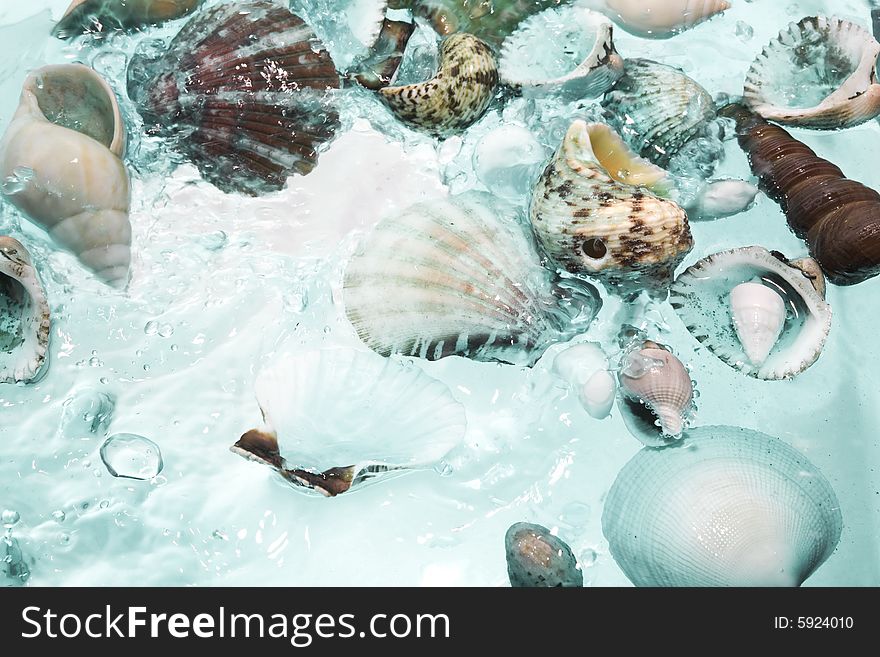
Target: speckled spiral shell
{"points": [[838, 217], [657, 109], [593, 213], [24, 315], [728, 507], [459, 277], [537, 558], [454, 98], [834, 59], [98, 15], [239, 93]]}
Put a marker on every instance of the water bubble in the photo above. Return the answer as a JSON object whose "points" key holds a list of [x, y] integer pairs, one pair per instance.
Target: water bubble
{"points": [[58, 516], [18, 181], [588, 558], [131, 456], [104, 504], [64, 539], [86, 411], [576, 514], [166, 331], [215, 240], [744, 31], [444, 469], [151, 327], [10, 518]]}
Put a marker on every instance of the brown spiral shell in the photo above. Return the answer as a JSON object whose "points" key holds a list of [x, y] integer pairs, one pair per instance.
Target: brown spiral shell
{"points": [[838, 217]]}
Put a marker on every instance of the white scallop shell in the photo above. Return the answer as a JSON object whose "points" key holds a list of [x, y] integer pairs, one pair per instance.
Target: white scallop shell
{"points": [[818, 73], [758, 314], [459, 277], [24, 315], [566, 50], [728, 507], [585, 367], [659, 18], [701, 296]]}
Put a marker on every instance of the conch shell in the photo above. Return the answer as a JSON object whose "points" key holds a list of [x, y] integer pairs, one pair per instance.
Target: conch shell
{"points": [[83, 15], [659, 18]]}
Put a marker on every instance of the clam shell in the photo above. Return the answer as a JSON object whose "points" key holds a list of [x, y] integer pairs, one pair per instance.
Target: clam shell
{"points": [[657, 109], [97, 15], [24, 315], [585, 367], [336, 417], [567, 51], [661, 18], [758, 314], [818, 73], [459, 277], [454, 98], [537, 558], [729, 507], [239, 93], [593, 213], [701, 297]]}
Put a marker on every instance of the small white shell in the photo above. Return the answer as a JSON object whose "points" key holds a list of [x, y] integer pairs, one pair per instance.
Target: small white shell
{"points": [[661, 18], [818, 73], [758, 314], [585, 367], [728, 507], [722, 198], [566, 50]]}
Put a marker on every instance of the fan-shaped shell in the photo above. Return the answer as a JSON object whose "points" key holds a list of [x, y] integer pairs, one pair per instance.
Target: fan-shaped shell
{"points": [[728, 507], [818, 73], [459, 277], [701, 296], [593, 213], [537, 558], [568, 51], [660, 18], [334, 417], [96, 15], [239, 91], [24, 315], [657, 109]]}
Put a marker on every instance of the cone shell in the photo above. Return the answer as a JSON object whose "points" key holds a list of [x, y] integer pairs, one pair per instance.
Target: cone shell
{"points": [[537, 558], [96, 15], [456, 97], [833, 60], [240, 93], [593, 213], [657, 109], [729, 507], [336, 417], [701, 297], [578, 61], [24, 315], [758, 314], [459, 277]]}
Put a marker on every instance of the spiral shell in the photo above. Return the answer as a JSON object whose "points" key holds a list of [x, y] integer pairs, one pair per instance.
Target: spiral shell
{"points": [[97, 15], [659, 18], [537, 558], [758, 314], [729, 507]]}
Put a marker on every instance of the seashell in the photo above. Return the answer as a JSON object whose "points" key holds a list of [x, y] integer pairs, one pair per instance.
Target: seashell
{"points": [[594, 213], [334, 418], [838, 217], [62, 149], [653, 377], [818, 73], [537, 558], [378, 68], [457, 96], [239, 92], [96, 15], [729, 507], [24, 315], [567, 51], [659, 19], [459, 277], [657, 109], [702, 297], [585, 367], [722, 198], [758, 314]]}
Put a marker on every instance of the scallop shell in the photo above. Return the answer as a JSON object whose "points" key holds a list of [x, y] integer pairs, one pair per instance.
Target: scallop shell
{"points": [[818, 73], [593, 213], [585, 367], [660, 18], [701, 296], [758, 314], [24, 315], [459, 277], [537, 558], [729, 507], [567, 51], [239, 93], [336, 417], [657, 109], [97, 15], [456, 97]]}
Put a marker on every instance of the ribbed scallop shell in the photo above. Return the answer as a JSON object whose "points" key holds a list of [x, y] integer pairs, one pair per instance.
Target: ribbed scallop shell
{"points": [[568, 51], [98, 15], [457, 96], [24, 315], [701, 297], [660, 18], [339, 416], [729, 507], [239, 92], [459, 277], [657, 109], [537, 558], [593, 213], [818, 73], [758, 314]]}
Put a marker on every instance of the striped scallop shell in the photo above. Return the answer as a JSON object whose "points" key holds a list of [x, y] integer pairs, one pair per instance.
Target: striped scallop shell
{"points": [[459, 277], [594, 213], [728, 507], [818, 73]]}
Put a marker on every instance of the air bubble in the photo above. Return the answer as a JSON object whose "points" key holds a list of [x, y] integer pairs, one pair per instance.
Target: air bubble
{"points": [[131, 456]]}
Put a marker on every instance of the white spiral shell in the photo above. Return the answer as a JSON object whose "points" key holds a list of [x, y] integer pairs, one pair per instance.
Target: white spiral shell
{"points": [[758, 314]]}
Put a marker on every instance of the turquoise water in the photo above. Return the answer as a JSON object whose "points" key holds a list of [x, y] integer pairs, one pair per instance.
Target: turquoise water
{"points": [[222, 285]]}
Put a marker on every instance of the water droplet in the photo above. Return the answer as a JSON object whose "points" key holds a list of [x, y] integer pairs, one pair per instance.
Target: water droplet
{"points": [[588, 558], [444, 469], [64, 539], [131, 456], [12, 564], [214, 241], [104, 504], [58, 516], [744, 31], [219, 535], [151, 327], [166, 331], [10, 518], [86, 411], [94, 361]]}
